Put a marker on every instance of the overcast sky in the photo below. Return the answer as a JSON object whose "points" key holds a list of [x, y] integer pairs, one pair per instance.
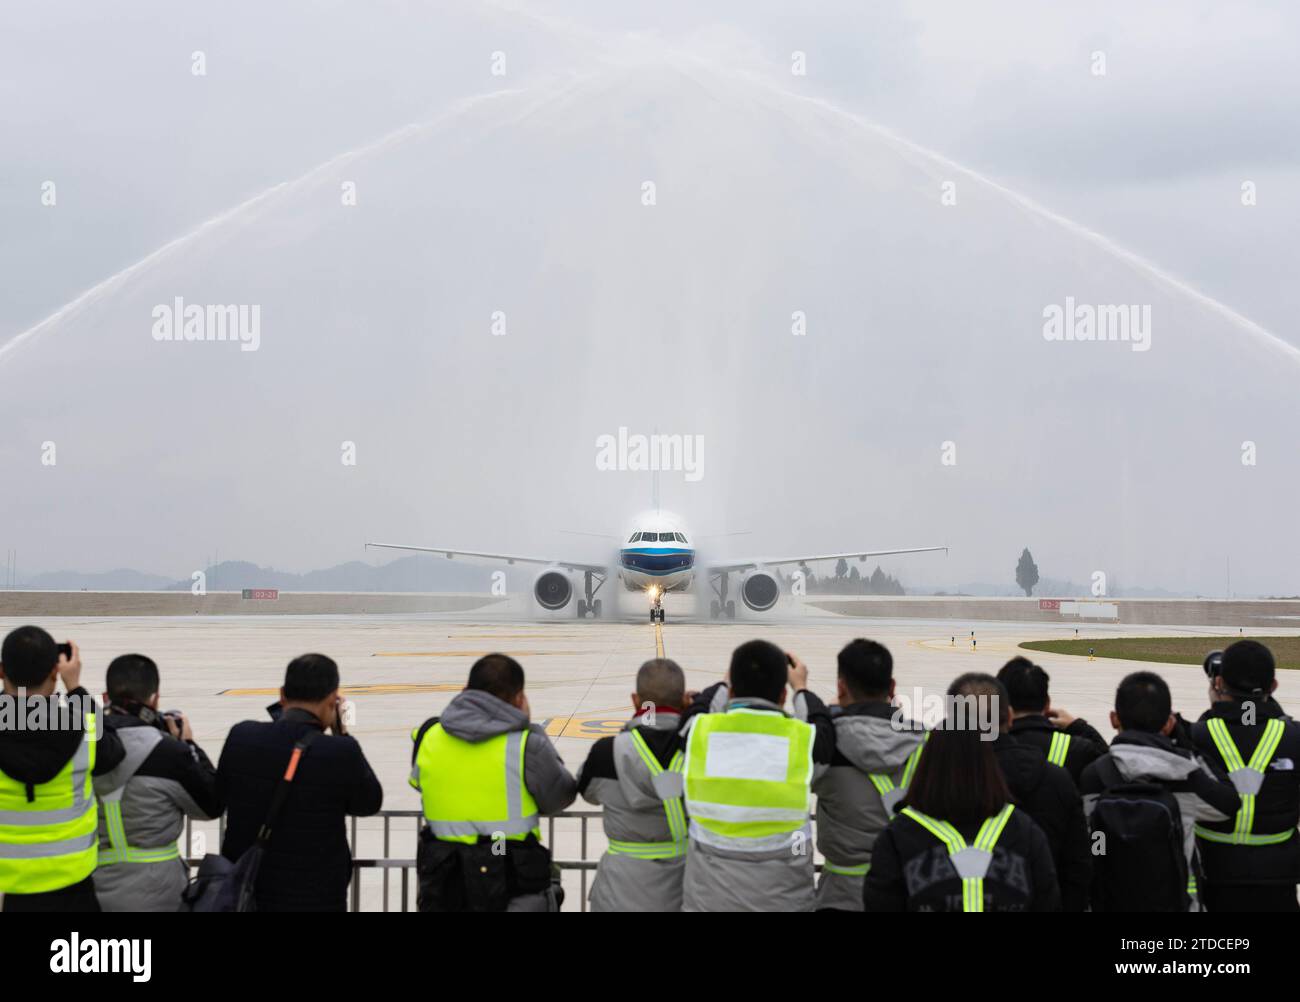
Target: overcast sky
{"points": [[523, 192]]}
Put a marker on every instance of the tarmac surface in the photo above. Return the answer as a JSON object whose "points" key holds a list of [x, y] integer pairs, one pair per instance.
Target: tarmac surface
{"points": [[399, 670]]}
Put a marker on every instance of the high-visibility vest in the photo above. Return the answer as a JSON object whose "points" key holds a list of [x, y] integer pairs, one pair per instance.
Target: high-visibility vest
{"points": [[118, 849], [1247, 777], [668, 786], [970, 861], [474, 788], [49, 832], [748, 777], [1059, 748], [891, 794]]}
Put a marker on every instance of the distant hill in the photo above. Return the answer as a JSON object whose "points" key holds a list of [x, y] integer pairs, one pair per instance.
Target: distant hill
{"points": [[416, 573]]}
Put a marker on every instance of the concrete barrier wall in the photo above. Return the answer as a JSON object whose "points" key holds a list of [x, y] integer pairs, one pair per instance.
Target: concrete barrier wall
{"points": [[32, 604], [1248, 614]]}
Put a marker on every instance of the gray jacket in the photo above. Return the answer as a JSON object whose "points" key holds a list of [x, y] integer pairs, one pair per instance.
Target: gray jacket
{"points": [[159, 783], [850, 812], [616, 778]]}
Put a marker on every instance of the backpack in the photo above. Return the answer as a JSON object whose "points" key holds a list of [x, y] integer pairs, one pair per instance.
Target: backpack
{"points": [[223, 886], [1142, 866]]}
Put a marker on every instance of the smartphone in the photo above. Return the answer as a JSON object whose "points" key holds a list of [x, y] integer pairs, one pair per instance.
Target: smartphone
{"points": [[66, 651]]}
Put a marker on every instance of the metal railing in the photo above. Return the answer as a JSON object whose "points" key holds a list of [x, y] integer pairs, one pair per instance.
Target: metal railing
{"points": [[386, 864]]}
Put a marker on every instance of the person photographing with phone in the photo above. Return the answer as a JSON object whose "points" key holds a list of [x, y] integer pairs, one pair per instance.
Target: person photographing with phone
{"points": [[749, 768], [50, 748], [307, 865]]}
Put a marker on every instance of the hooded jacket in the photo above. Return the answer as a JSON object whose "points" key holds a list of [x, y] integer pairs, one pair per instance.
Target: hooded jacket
{"points": [[722, 880], [162, 781], [850, 812], [1141, 756], [616, 778], [1277, 804], [474, 715], [1048, 795]]}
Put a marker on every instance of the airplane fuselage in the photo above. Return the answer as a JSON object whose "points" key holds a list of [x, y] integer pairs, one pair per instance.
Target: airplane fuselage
{"points": [[658, 555]]}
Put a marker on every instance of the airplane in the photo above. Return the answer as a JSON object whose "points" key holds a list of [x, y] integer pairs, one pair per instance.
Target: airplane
{"points": [[658, 557]]}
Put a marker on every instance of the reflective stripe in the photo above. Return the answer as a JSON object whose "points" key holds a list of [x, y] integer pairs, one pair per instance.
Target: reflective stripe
{"points": [[673, 808], [514, 773], [970, 862], [1058, 749], [1234, 838], [890, 794], [119, 850], [846, 871], [734, 812], [1247, 778], [648, 850], [40, 850]]}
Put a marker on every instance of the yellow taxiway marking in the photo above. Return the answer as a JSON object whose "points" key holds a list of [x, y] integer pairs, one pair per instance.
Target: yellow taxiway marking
{"points": [[659, 639], [964, 646], [391, 688], [464, 654]]}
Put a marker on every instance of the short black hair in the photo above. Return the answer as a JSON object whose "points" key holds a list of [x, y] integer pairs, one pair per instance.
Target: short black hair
{"points": [[1026, 685], [310, 678], [498, 674], [1143, 703], [131, 678], [759, 670], [866, 668], [29, 654]]}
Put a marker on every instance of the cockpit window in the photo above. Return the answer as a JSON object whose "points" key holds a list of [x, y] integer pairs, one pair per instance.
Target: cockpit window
{"points": [[680, 537], [635, 536], [649, 537]]}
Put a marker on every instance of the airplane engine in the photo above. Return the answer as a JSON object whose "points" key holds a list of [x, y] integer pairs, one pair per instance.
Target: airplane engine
{"points": [[759, 590], [553, 589]]}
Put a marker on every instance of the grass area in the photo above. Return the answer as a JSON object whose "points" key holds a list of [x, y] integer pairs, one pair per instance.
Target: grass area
{"points": [[1167, 650]]}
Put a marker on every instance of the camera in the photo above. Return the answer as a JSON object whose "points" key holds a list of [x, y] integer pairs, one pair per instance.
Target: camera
{"points": [[1213, 663]]}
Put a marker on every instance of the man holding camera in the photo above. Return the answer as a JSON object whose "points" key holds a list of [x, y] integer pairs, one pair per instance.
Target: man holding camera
{"points": [[749, 768], [49, 750], [308, 863], [143, 803], [1252, 860]]}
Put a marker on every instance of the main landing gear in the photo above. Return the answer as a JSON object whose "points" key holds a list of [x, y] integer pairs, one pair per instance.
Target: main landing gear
{"points": [[590, 604], [721, 605]]}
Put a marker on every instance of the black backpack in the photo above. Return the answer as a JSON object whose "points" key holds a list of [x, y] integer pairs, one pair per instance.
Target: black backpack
{"points": [[1141, 865]]}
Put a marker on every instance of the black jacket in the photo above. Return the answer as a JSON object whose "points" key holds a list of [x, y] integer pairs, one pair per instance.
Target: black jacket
{"points": [[1277, 805], [1048, 795], [308, 864], [910, 870], [36, 757], [1086, 744]]}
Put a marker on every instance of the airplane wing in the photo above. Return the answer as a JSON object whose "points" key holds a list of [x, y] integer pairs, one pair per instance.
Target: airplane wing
{"points": [[744, 565], [451, 553]]}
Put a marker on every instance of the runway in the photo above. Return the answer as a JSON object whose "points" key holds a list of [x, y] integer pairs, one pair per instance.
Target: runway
{"points": [[399, 670]]}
